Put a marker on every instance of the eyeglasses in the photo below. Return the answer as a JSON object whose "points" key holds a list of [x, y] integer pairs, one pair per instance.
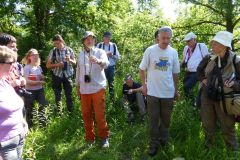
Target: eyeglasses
{"points": [[8, 62]]}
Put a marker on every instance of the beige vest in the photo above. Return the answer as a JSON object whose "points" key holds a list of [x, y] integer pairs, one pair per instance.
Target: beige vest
{"points": [[227, 71]]}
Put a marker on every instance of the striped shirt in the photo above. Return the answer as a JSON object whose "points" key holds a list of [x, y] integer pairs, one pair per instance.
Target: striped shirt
{"points": [[95, 71], [110, 48], [67, 70]]}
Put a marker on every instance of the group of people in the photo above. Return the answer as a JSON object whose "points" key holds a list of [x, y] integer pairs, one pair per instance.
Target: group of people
{"points": [[95, 65]]}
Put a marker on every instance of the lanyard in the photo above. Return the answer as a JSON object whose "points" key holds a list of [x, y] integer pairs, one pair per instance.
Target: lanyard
{"points": [[85, 65]]}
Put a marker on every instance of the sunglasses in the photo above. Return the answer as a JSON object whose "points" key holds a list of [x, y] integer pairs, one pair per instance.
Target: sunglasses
{"points": [[8, 62]]}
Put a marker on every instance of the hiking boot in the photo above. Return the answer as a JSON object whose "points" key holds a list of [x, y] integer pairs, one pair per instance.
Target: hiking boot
{"points": [[105, 143], [152, 151]]}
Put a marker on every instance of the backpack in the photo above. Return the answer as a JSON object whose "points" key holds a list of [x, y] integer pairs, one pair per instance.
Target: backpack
{"points": [[114, 48]]}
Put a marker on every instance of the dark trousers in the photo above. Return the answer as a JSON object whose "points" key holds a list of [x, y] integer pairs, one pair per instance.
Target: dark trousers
{"points": [[211, 112], [57, 83], [190, 80], [159, 110], [38, 96], [110, 73]]}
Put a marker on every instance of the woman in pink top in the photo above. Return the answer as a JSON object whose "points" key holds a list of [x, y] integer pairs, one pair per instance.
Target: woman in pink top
{"points": [[12, 124]]}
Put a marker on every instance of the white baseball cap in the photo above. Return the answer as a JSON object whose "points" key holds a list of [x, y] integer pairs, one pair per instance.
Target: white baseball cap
{"points": [[224, 37], [87, 34], [189, 36]]}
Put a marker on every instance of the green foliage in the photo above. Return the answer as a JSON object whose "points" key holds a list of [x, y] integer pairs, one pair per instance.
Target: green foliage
{"points": [[35, 22]]}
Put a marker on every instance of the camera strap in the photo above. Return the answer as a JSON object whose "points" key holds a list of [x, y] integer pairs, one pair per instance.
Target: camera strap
{"points": [[220, 81], [85, 66]]}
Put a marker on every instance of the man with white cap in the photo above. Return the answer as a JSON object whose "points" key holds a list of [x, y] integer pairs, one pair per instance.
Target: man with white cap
{"points": [[91, 83], [113, 55], [159, 70], [219, 74], [193, 53]]}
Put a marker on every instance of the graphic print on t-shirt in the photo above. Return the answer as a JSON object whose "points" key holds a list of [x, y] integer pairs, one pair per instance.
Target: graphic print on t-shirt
{"points": [[162, 64]]}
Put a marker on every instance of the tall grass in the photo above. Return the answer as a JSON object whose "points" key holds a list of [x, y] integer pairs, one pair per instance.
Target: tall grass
{"points": [[63, 138]]}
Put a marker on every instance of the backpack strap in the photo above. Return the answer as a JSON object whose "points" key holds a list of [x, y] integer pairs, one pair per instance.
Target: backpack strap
{"points": [[114, 49], [200, 49], [100, 45], [54, 55]]}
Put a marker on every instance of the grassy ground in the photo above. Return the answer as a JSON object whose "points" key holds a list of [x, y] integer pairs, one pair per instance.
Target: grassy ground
{"points": [[63, 138]]}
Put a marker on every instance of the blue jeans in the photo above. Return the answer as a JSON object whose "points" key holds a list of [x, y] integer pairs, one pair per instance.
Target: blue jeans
{"points": [[110, 72], [190, 80], [12, 149]]}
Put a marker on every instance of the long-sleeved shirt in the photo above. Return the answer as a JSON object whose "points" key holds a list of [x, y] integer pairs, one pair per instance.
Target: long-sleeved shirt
{"points": [[94, 71]]}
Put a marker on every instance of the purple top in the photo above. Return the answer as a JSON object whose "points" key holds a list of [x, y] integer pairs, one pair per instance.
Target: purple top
{"points": [[11, 116]]}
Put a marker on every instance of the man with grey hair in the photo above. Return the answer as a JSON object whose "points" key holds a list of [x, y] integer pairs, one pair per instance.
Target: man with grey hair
{"points": [[159, 70]]}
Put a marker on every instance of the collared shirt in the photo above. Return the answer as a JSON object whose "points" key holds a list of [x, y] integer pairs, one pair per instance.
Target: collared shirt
{"points": [[110, 48], [95, 71], [67, 70], [160, 65], [194, 58]]}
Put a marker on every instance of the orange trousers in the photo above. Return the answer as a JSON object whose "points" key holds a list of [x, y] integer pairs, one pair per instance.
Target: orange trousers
{"points": [[94, 105]]}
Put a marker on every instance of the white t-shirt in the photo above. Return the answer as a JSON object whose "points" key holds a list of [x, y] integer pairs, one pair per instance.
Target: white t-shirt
{"points": [[95, 71], [160, 65], [200, 51]]}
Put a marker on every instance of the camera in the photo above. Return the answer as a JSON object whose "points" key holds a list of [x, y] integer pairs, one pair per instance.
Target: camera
{"points": [[22, 92], [87, 78], [184, 65]]}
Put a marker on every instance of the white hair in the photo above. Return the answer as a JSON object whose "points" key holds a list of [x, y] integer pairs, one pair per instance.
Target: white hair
{"points": [[166, 29]]}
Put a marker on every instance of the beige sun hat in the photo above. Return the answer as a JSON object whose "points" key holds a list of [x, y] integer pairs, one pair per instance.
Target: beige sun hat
{"points": [[224, 38]]}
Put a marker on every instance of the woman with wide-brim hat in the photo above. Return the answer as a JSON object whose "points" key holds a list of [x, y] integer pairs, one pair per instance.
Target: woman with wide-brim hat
{"points": [[214, 70]]}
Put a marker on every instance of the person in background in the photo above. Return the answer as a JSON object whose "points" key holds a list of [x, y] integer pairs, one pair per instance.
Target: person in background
{"points": [[15, 77], [91, 83], [35, 81], [156, 37], [159, 70], [113, 55], [133, 100], [61, 60], [193, 53], [220, 63], [13, 127]]}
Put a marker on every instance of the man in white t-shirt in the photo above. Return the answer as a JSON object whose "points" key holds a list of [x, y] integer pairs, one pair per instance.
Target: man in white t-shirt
{"points": [[193, 53], [159, 70]]}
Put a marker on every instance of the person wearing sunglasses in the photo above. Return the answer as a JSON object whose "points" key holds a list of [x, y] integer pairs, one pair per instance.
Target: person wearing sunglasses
{"points": [[12, 124]]}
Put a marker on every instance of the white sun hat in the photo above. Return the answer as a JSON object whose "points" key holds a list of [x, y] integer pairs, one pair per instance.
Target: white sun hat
{"points": [[189, 36], [224, 37]]}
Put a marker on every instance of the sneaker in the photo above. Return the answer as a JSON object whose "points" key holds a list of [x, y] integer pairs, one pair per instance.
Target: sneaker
{"points": [[105, 143]]}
